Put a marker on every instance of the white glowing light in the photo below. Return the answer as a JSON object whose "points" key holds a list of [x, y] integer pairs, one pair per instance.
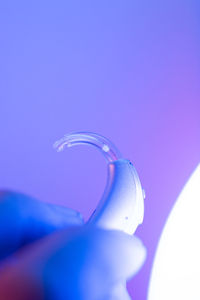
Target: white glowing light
{"points": [[176, 269]]}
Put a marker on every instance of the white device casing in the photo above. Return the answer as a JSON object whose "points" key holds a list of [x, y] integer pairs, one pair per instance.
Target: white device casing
{"points": [[122, 204]]}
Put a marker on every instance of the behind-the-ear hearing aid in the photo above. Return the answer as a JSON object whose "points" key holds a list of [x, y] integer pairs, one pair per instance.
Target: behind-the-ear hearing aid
{"points": [[122, 204]]}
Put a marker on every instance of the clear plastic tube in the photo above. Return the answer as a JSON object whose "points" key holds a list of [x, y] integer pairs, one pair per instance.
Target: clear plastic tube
{"points": [[109, 151]]}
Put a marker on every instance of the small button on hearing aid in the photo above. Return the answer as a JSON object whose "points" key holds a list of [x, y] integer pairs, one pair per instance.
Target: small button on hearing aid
{"points": [[122, 204], [144, 193]]}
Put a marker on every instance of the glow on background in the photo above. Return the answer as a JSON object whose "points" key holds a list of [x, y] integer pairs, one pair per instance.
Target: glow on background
{"points": [[176, 270], [128, 70]]}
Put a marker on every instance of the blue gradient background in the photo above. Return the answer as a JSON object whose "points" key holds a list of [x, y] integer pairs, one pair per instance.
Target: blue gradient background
{"points": [[126, 69]]}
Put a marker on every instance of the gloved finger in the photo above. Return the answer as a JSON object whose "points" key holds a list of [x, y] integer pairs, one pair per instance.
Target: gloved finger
{"points": [[82, 262], [118, 292], [87, 261], [25, 219], [111, 252], [122, 255]]}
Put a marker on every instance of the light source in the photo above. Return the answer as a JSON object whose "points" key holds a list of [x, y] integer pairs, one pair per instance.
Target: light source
{"points": [[176, 270]]}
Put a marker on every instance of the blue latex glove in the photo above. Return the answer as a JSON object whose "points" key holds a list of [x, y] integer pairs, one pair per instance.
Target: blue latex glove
{"points": [[47, 253]]}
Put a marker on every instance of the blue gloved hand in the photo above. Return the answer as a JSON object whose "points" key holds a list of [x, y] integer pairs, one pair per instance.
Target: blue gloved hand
{"points": [[47, 253]]}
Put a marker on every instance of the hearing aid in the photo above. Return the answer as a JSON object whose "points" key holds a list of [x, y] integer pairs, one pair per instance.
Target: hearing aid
{"points": [[121, 206]]}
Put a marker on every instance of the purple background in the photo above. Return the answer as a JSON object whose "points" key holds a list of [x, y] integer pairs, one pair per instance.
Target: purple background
{"points": [[125, 69]]}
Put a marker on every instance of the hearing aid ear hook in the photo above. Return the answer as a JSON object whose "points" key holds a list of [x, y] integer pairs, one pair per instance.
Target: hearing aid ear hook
{"points": [[122, 204], [110, 152]]}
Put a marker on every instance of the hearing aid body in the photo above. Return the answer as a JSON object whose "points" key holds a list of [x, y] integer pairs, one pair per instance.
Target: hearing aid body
{"points": [[122, 204]]}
